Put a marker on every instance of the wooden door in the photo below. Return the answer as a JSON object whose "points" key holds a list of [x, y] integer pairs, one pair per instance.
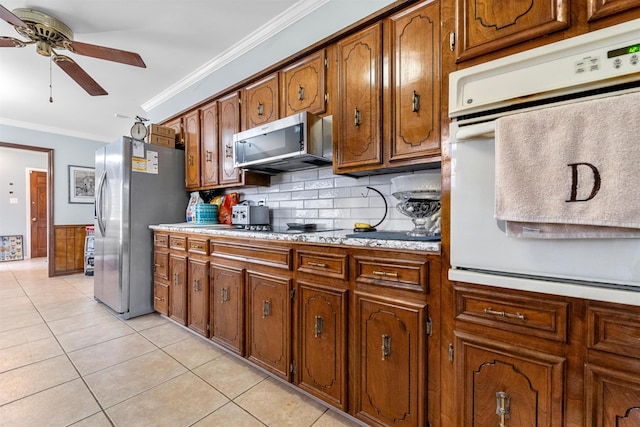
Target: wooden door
{"points": [[322, 335], [38, 197], [198, 296], [260, 102], [160, 296], [390, 362], [209, 144], [612, 395], [227, 307], [269, 323], [303, 87], [176, 125], [178, 288], [358, 127], [192, 150], [229, 114], [415, 75], [527, 385]]}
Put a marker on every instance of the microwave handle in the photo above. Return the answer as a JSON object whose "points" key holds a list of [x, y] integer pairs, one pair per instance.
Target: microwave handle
{"points": [[485, 130]]}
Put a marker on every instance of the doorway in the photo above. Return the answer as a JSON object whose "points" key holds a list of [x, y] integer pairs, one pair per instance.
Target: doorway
{"points": [[38, 213]]}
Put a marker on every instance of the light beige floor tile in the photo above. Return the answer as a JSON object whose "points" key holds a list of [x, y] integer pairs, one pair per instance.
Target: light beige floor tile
{"points": [[11, 291], [57, 406], [147, 321], [193, 352], [96, 420], [166, 334], [95, 334], [230, 375], [120, 382], [85, 320], [25, 354], [333, 419], [9, 313], [33, 378], [20, 321], [24, 335], [230, 415], [179, 402], [57, 311], [96, 357], [276, 404]]}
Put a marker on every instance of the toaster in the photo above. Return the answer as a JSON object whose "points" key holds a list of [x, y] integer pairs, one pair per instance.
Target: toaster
{"points": [[249, 215]]}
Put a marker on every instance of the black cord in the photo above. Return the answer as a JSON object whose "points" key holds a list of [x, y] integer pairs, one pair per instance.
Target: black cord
{"points": [[386, 207]]}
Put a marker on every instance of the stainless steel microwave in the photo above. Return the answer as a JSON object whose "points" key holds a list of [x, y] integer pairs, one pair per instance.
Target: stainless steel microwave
{"points": [[294, 143]]}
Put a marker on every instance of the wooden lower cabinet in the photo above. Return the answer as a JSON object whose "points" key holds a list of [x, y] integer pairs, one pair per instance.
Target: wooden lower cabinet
{"points": [[178, 288], [227, 307], [198, 296], [269, 322], [390, 361], [613, 395], [161, 296]]}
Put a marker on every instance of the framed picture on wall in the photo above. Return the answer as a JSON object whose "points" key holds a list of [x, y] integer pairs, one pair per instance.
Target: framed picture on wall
{"points": [[81, 184]]}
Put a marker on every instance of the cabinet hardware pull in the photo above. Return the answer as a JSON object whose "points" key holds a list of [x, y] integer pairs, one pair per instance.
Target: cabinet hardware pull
{"points": [[190, 159], [225, 295], [319, 326], [415, 101], [266, 308], [196, 285], [176, 279], [318, 264], [228, 150], [208, 155], [159, 298], [300, 93], [260, 109], [386, 346], [385, 274], [452, 41], [489, 310], [356, 117], [503, 400]]}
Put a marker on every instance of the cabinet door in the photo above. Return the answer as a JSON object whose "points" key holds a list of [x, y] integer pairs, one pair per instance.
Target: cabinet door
{"points": [[303, 87], [161, 264], [391, 362], [527, 386], [176, 125], [198, 296], [415, 71], [192, 149], [209, 144], [229, 116], [178, 288], [269, 323], [227, 307], [260, 102], [160, 297], [357, 129], [612, 396], [323, 334], [486, 26]]}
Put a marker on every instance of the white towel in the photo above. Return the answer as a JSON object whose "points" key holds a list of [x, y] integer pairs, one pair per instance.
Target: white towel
{"points": [[571, 164]]}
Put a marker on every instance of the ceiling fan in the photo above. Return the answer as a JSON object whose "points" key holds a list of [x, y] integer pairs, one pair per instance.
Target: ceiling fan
{"points": [[47, 33]]}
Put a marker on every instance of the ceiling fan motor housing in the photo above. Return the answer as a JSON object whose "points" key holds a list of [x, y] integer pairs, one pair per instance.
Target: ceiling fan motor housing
{"points": [[45, 30]]}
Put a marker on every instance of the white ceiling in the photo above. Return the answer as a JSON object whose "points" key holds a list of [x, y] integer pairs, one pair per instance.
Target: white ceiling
{"points": [[174, 38]]}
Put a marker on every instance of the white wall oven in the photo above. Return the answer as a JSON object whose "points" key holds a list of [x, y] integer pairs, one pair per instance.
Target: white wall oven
{"points": [[590, 68]]}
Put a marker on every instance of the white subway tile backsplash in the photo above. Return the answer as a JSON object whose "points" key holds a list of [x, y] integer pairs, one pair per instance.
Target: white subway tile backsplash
{"points": [[303, 195], [292, 186], [306, 213], [319, 204], [334, 193], [317, 184]]}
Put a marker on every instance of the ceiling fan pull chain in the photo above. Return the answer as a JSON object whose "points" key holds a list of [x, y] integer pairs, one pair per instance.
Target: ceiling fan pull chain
{"points": [[50, 79]]}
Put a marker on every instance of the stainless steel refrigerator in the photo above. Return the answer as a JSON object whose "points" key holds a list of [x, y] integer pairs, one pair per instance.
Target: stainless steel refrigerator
{"points": [[137, 184]]}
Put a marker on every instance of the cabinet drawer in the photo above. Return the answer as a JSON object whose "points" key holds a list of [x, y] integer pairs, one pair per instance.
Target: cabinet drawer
{"points": [[512, 311], [161, 240], [178, 243], [161, 297], [198, 246], [161, 264], [321, 264], [395, 273], [274, 256], [614, 329]]}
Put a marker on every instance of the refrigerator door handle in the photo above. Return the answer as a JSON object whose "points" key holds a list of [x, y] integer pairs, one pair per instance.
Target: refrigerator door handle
{"points": [[99, 202]]}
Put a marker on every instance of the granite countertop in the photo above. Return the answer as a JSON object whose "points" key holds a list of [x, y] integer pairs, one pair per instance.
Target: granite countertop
{"points": [[334, 237]]}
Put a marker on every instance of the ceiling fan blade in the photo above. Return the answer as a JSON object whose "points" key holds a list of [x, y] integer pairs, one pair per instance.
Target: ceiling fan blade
{"points": [[101, 52], [80, 76], [11, 42], [11, 18]]}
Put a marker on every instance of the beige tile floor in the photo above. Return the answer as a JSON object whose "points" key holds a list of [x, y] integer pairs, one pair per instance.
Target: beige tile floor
{"points": [[66, 360]]}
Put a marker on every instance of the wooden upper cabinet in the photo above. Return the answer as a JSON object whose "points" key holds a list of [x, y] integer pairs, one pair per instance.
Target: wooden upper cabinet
{"points": [[486, 26], [303, 86], [192, 149], [357, 125], [176, 125], [209, 144], [415, 76], [260, 102], [598, 9], [229, 124]]}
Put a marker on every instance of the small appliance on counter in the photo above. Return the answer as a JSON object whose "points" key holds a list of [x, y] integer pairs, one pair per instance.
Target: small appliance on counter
{"points": [[250, 217]]}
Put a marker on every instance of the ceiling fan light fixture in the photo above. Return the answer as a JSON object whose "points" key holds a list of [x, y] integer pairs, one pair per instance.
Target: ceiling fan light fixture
{"points": [[43, 48], [43, 26]]}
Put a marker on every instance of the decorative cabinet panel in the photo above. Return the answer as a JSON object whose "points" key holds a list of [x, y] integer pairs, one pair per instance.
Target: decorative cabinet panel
{"points": [[161, 297], [176, 125], [269, 322], [209, 144], [229, 124], [606, 8], [303, 86], [260, 102], [486, 26], [192, 150], [161, 264], [178, 288], [390, 361], [198, 296], [323, 342], [227, 307], [500, 384], [612, 396], [357, 126]]}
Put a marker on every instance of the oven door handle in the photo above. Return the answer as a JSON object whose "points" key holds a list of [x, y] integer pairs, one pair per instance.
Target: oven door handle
{"points": [[484, 129]]}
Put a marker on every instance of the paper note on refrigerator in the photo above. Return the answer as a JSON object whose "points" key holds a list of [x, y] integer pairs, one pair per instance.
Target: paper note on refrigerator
{"points": [[152, 162]]}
